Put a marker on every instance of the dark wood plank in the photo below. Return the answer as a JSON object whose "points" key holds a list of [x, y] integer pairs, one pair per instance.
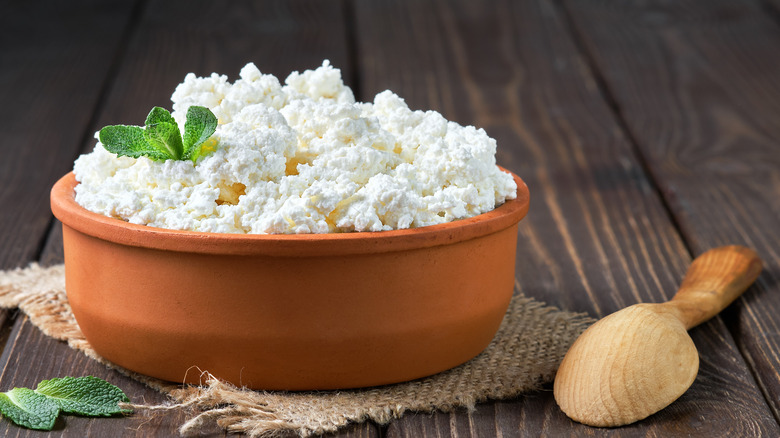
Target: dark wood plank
{"points": [[597, 237], [55, 58], [43, 52], [702, 103], [33, 357], [773, 6], [172, 39], [50, 52], [175, 38]]}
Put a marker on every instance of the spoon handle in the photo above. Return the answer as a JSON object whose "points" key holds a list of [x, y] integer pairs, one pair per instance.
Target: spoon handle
{"points": [[713, 281]]}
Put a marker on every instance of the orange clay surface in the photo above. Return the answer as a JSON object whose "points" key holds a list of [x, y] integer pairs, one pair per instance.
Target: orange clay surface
{"points": [[292, 312]]}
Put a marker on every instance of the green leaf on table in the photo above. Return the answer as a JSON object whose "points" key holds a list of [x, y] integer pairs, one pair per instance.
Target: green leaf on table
{"points": [[84, 395], [200, 125], [39, 408], [29, 409]]}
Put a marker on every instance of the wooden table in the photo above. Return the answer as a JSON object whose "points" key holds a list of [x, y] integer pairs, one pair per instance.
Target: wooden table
{"points": [[647, 131]]}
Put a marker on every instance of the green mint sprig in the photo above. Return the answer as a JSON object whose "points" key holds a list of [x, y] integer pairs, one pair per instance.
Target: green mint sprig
{"points": [[39, 408], [161, 139]]}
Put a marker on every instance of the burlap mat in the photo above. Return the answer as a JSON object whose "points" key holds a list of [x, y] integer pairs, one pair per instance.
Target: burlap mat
{"points": [[525, 353]]}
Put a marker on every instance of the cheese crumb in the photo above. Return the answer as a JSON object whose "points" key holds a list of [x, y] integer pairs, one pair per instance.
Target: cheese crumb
{"points": [[303, 157]]}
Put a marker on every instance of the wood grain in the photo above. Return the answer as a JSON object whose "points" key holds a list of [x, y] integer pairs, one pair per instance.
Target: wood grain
{"points": [[175, 38], [66, 51], [53, 69], [33, 357], [713, 281], [597, 237], [171, 39], [693, 81], [643, 353], [43, 67], [702, 104]]}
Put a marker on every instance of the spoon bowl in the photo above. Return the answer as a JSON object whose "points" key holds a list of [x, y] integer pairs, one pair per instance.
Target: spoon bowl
{"points": [[635, 362]]}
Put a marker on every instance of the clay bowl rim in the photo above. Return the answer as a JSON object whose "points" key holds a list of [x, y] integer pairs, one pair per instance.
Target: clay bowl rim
{"points": [[65, 208]]}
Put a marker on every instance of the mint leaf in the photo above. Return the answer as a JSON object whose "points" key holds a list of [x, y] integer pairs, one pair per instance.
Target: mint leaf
{"points": [[200, 125], [159, 115], [161, 138], [128, 141], [29, 409], [165, 137], [84, 395]]}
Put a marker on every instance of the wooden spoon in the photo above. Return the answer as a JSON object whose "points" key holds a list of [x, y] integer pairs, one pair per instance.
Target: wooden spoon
{"points": [[635, 362]]}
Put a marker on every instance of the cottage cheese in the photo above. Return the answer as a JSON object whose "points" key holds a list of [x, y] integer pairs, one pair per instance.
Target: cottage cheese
{"points": [[303, 157]]}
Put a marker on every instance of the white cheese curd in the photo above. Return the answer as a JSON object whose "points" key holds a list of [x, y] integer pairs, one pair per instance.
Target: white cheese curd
{"points": [[303, 157]]}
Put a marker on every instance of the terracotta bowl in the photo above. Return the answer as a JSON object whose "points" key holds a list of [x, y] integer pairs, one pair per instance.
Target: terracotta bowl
{"points": [[293, 312]]}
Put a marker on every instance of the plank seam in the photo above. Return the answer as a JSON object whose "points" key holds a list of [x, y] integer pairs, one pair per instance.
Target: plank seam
{"points": [[40, 247], [609, 98], [730, 319], [10, 344], [124, 40], [353, 51], [111, 74], [606, 93]]}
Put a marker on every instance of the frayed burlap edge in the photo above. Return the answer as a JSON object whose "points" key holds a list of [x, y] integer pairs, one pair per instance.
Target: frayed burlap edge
{"points": [[524, 354]]}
